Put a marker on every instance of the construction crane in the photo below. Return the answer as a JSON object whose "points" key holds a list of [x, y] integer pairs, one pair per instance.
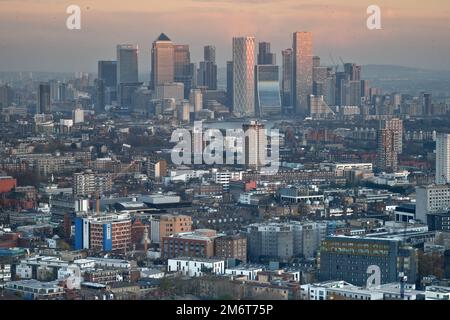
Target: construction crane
{"points": [[335, 65]]}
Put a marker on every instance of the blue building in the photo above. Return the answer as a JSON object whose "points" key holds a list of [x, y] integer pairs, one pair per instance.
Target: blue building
{"points": [[103, 232], [267, 90], [347, 258]]}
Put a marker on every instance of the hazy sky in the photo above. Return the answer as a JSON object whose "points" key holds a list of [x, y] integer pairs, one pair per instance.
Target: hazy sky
{"points": [[34, 37]]}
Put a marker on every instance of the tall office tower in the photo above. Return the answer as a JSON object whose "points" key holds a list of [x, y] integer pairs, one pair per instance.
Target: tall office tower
{"points": [[127, 64], [427, 104], [196, 100], [286, 82], [351, 93], [396, 125], [54, 90], [207, 74], [127, 73], [267, 90], [341, 78], [353, 71], [43, 99], [264, 54], [183, 69], [255, 152], [443, 158], [365, 89], [6, 96], [244, 76], [107, 71], [209, 54], [303, 71], [163, 69], [350, 85], [230, 84]]}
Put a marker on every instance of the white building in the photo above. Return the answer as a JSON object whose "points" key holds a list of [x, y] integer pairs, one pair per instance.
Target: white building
{"points": [[443, 158], [5, 273], [185, 175], [437, 293], [249, 272], [392, 179], [78, 115], [111, 263], [431, 199], [196, 267], [224, 177], [337, 290]]}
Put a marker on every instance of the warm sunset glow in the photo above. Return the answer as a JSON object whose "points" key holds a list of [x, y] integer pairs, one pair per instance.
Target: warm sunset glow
{"points": [[33, 34]]}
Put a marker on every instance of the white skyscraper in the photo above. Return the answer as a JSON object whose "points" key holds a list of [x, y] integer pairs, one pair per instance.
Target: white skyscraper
{"points": [[244, 76], [303, 71], [443, 158]]}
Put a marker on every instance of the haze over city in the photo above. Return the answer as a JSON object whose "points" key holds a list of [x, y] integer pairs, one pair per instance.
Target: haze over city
{"points": [[34, 36]]}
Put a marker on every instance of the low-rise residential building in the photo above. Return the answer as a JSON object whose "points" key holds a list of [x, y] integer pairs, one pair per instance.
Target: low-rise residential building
{"points": [[196, 267]]}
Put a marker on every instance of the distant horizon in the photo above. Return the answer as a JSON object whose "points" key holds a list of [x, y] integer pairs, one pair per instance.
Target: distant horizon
{"points": [[224, 67], [34, 34]]}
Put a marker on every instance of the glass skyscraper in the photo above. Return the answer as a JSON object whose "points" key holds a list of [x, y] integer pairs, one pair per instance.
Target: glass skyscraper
{"points": [[163, 69], [268, 99], [244, 76]]}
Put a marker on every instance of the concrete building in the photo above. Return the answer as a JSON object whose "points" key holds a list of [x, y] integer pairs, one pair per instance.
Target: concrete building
{"points": [[283, 241], [431, 199], [167, 225], [199, 243], [231, 247], [90, 183], [255, 152], [156, 168]]}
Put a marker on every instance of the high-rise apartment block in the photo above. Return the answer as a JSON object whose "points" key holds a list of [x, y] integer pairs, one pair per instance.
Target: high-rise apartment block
{"points": [[443, 158], [89, 183]]}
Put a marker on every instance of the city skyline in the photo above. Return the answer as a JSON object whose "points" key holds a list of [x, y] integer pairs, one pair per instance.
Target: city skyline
{"points": [[414, 33]]}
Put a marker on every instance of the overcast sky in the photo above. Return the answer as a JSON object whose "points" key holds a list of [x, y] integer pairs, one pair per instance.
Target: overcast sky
{"points": [[34, 37]]}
